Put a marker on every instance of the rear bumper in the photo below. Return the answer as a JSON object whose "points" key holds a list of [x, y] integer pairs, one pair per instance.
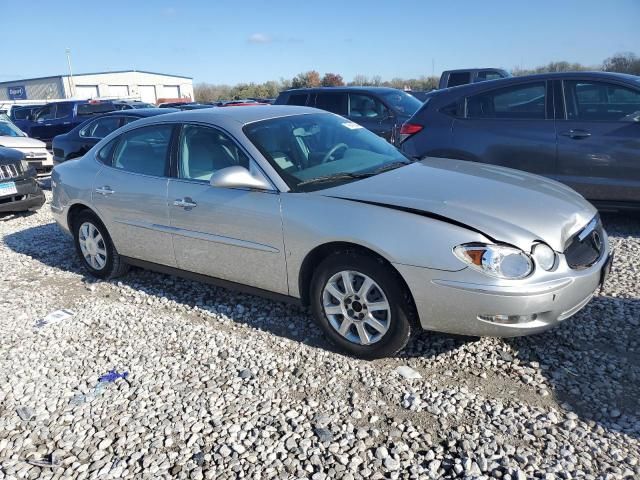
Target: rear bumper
{"points": [[29, 197], [452, 302]]}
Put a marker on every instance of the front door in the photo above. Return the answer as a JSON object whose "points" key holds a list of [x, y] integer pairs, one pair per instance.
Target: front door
{"points": [[599, 141], [130, 193], [231, 234]]}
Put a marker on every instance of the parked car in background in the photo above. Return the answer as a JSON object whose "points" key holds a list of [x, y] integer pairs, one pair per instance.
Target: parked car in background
{"points": [[60, 117], [131, 104], [310, 207], [79, 141], [582, 129], [19, 190], [20, 115], [379, 109], [34, 150], [454, 78]]}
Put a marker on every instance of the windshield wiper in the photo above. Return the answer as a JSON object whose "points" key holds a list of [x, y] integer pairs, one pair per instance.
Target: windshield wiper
{"points": [[334, 177], [349, 176], [390, 166]]}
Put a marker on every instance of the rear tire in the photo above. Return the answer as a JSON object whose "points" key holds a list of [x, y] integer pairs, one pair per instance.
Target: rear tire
{"points": [[371, 318], [95, 248]]}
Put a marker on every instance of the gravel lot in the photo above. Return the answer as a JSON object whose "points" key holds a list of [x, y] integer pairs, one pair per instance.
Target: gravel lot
{"points": [[225, 385]]}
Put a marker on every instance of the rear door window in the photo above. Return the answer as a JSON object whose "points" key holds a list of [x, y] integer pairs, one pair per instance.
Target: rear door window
{"points": [[600, 101], [299, 99], [488, 75], [459, 78], [527, 101], [332, 102], [64, 110], [144, 150], [85, 109]]}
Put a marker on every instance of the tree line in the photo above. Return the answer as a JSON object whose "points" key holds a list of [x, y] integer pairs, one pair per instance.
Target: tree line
{"points": [[208, 92]]}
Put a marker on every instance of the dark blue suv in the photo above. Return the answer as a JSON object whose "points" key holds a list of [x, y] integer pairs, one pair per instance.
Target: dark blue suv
{"points": [[379, 109], [580, 128], [60, 117]]}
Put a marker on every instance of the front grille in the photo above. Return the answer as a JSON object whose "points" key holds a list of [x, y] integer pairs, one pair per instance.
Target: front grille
{"points": [[9, 171], [586, 247]]}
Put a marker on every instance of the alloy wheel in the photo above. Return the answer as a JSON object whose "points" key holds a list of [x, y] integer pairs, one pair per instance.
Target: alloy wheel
{"points": [[356, 307]]}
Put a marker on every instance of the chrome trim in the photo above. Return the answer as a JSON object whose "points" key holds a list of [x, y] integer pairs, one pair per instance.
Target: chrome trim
{"points": [[8, 171], [200, 235], [515, 291]]}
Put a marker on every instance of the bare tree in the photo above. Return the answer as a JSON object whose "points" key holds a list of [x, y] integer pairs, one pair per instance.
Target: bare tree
{"points": [[622, 63]]}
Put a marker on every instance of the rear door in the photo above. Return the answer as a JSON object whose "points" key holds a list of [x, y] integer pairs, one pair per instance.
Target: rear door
{"points": [[599, 140], [130, 193], [371, 113], [511, 126]]}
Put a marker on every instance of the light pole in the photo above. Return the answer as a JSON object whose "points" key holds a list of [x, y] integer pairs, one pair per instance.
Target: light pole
{"points": [[71, 84]]}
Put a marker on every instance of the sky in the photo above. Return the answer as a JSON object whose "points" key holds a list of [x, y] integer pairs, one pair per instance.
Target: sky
{"points": [[221, 41]]}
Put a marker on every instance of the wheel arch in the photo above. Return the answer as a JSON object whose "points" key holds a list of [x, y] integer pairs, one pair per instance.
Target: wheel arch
{"points": [[77, 208], [321, 252]]}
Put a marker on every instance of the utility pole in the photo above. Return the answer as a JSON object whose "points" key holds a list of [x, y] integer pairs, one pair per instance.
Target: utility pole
{"points": [[71, 84]]}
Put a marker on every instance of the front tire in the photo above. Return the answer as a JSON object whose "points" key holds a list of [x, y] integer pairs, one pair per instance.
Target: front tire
{"points": [[361, 305], [95, 248]]}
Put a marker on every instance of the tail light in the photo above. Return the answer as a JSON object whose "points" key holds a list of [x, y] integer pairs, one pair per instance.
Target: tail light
{"points": [[409, 129]]}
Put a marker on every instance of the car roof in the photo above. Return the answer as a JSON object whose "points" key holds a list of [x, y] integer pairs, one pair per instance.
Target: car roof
{"points": [[344, 89], [488, 84], [239, 115]]}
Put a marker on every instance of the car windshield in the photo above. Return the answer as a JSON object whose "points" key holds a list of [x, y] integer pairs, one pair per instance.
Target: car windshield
{"points": [[320, 150], [8, 129], [402, 102]]}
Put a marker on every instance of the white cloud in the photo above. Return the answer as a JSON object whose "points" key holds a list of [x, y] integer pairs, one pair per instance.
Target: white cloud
{"points": [[259, 38]]}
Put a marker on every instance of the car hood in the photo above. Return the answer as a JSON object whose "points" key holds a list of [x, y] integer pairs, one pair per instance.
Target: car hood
{"points": [[508, 206], [21, 142]]}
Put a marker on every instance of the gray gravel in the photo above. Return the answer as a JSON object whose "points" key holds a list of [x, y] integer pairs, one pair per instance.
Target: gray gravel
{"points": [[225, 385]]}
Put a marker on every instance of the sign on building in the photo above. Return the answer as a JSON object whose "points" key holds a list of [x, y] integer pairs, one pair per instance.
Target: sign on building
{"points": [[17, 92]]}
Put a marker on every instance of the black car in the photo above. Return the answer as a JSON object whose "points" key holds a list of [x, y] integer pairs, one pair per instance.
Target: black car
{"points": [[19, 190], [379, 109], [581, 128], [78, 141]]}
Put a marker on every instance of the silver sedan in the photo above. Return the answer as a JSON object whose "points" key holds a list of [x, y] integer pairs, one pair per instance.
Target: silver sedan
{"points": [[309, 207]]}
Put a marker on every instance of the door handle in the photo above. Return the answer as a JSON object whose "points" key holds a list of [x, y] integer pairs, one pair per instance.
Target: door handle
{"points": [[185, 203], [105, 190], [577, 134]]}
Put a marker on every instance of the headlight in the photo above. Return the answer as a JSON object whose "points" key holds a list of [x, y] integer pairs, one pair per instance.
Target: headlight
{"points": [[544, 256], [496, 260]]}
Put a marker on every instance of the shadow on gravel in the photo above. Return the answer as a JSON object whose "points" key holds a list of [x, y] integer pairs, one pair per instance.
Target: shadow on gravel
{"points": [[47, 244], [593, 368]]}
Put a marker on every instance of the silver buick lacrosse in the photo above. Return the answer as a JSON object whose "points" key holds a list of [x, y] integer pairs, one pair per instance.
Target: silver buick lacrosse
{"points": [[308, 207]]}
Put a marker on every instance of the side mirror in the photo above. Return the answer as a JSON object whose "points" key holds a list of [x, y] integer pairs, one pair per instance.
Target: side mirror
{"points": [[238, 177]]}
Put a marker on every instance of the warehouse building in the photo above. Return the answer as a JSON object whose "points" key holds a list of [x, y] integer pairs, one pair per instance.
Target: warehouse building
{"points": [[134, 84]]}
